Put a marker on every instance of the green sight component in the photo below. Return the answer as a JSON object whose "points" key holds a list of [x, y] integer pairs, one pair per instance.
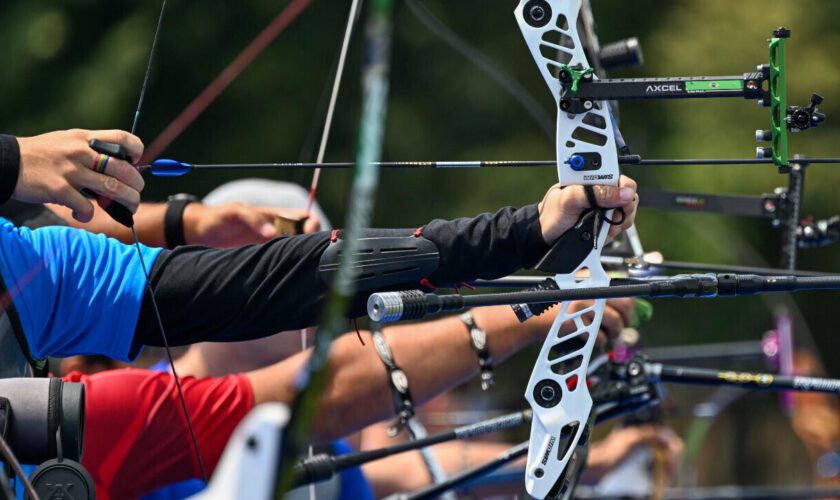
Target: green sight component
{"points": [[575, 75], [642, 314], [778, 100], [716, 85]]}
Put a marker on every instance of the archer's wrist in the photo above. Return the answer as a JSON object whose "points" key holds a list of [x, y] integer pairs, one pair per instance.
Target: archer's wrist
{"points": [[182, 219], [487, 246]]}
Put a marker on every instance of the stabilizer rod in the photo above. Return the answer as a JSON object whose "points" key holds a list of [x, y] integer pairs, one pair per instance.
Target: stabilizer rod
{"points": [[324, 466], [388, 307], [766, 381]]}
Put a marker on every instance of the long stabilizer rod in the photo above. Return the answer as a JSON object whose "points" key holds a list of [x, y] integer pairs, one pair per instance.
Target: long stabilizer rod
{"points": [[766, 381], [388, 307], [324, 466]]}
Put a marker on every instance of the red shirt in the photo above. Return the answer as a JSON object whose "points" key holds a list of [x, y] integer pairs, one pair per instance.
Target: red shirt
{"points": [[136, 437]]}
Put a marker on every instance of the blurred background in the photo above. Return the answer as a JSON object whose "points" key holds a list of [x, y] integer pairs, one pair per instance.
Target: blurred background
{"points": [[79, 63]]}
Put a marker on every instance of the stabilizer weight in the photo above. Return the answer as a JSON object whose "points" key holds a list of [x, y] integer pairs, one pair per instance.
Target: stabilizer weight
{"points": [[409, 305]]}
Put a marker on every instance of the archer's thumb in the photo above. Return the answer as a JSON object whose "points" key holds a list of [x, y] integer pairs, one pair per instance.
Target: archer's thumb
{"points": [[614, 196]]}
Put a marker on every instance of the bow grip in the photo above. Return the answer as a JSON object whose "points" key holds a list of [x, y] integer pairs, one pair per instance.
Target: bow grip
{"points": [[117, 211], [573, 246], [564, 257]]}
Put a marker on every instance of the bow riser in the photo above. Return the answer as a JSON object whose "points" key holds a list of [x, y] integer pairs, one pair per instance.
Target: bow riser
{"points": [[562, 379], [589, 135], [586, 154]]}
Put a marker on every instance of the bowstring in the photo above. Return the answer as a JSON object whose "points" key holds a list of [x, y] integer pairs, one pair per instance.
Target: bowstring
{"points": [[146, 274], [322, 148], [325, 135], [313, 377]]}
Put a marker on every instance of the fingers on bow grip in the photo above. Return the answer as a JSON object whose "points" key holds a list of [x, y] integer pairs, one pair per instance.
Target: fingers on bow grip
{"points": [[117, 211], [572, 248], [111, 149]]}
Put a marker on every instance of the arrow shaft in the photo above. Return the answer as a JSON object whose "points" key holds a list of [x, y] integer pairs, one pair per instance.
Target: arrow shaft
{"points": [[633, 160], [394, 164]]}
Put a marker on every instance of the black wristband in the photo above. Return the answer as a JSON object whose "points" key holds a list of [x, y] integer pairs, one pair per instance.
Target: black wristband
{"points": [[478, 339], [9, 166], [173, 221]]}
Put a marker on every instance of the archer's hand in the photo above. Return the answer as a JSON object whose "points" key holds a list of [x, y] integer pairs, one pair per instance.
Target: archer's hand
{"points": [[617, 315], [55, 166], [613, 449], [235, 224], [562, 207]]}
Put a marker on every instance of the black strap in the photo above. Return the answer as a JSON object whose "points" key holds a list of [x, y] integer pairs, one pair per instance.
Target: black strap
{"points": [[602, 214], [590, 196], [397, 381], [54, 417], [593, 202], [478, 339], [40, 368], [173, 222]]}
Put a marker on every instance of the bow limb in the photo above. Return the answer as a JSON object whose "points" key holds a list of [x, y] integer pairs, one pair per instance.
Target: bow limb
{"points": [[314, 377]]}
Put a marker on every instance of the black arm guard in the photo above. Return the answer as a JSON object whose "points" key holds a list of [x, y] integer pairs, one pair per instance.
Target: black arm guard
{"points": [[385, 259]]}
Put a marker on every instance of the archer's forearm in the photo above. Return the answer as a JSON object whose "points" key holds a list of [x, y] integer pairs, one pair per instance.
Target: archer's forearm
{"points": [[435, 355], [254, 291], [148, 221]]}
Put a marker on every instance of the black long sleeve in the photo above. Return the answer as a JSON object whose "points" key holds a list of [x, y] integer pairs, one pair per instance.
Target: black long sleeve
{"points": [[222, 295], [9, 166], [489, 246]]}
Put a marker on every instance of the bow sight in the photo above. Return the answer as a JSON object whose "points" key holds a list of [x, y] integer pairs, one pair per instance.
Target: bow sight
{"points": [[580, 91]]}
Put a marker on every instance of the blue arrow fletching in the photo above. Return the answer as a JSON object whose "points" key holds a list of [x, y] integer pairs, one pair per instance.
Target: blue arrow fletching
{"points": [[170, 168]]}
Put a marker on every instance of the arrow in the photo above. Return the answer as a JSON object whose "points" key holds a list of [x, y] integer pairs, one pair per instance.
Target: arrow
{"points": [[175, 168]]}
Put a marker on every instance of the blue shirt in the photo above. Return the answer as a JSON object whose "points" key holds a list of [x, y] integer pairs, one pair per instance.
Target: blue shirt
{"points": [[75, 292]]}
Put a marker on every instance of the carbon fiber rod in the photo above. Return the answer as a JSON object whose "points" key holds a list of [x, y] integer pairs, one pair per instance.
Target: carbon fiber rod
{"points": [[466, 476], [324, 466], [388, 307], [747, 380], [724, 268]]}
